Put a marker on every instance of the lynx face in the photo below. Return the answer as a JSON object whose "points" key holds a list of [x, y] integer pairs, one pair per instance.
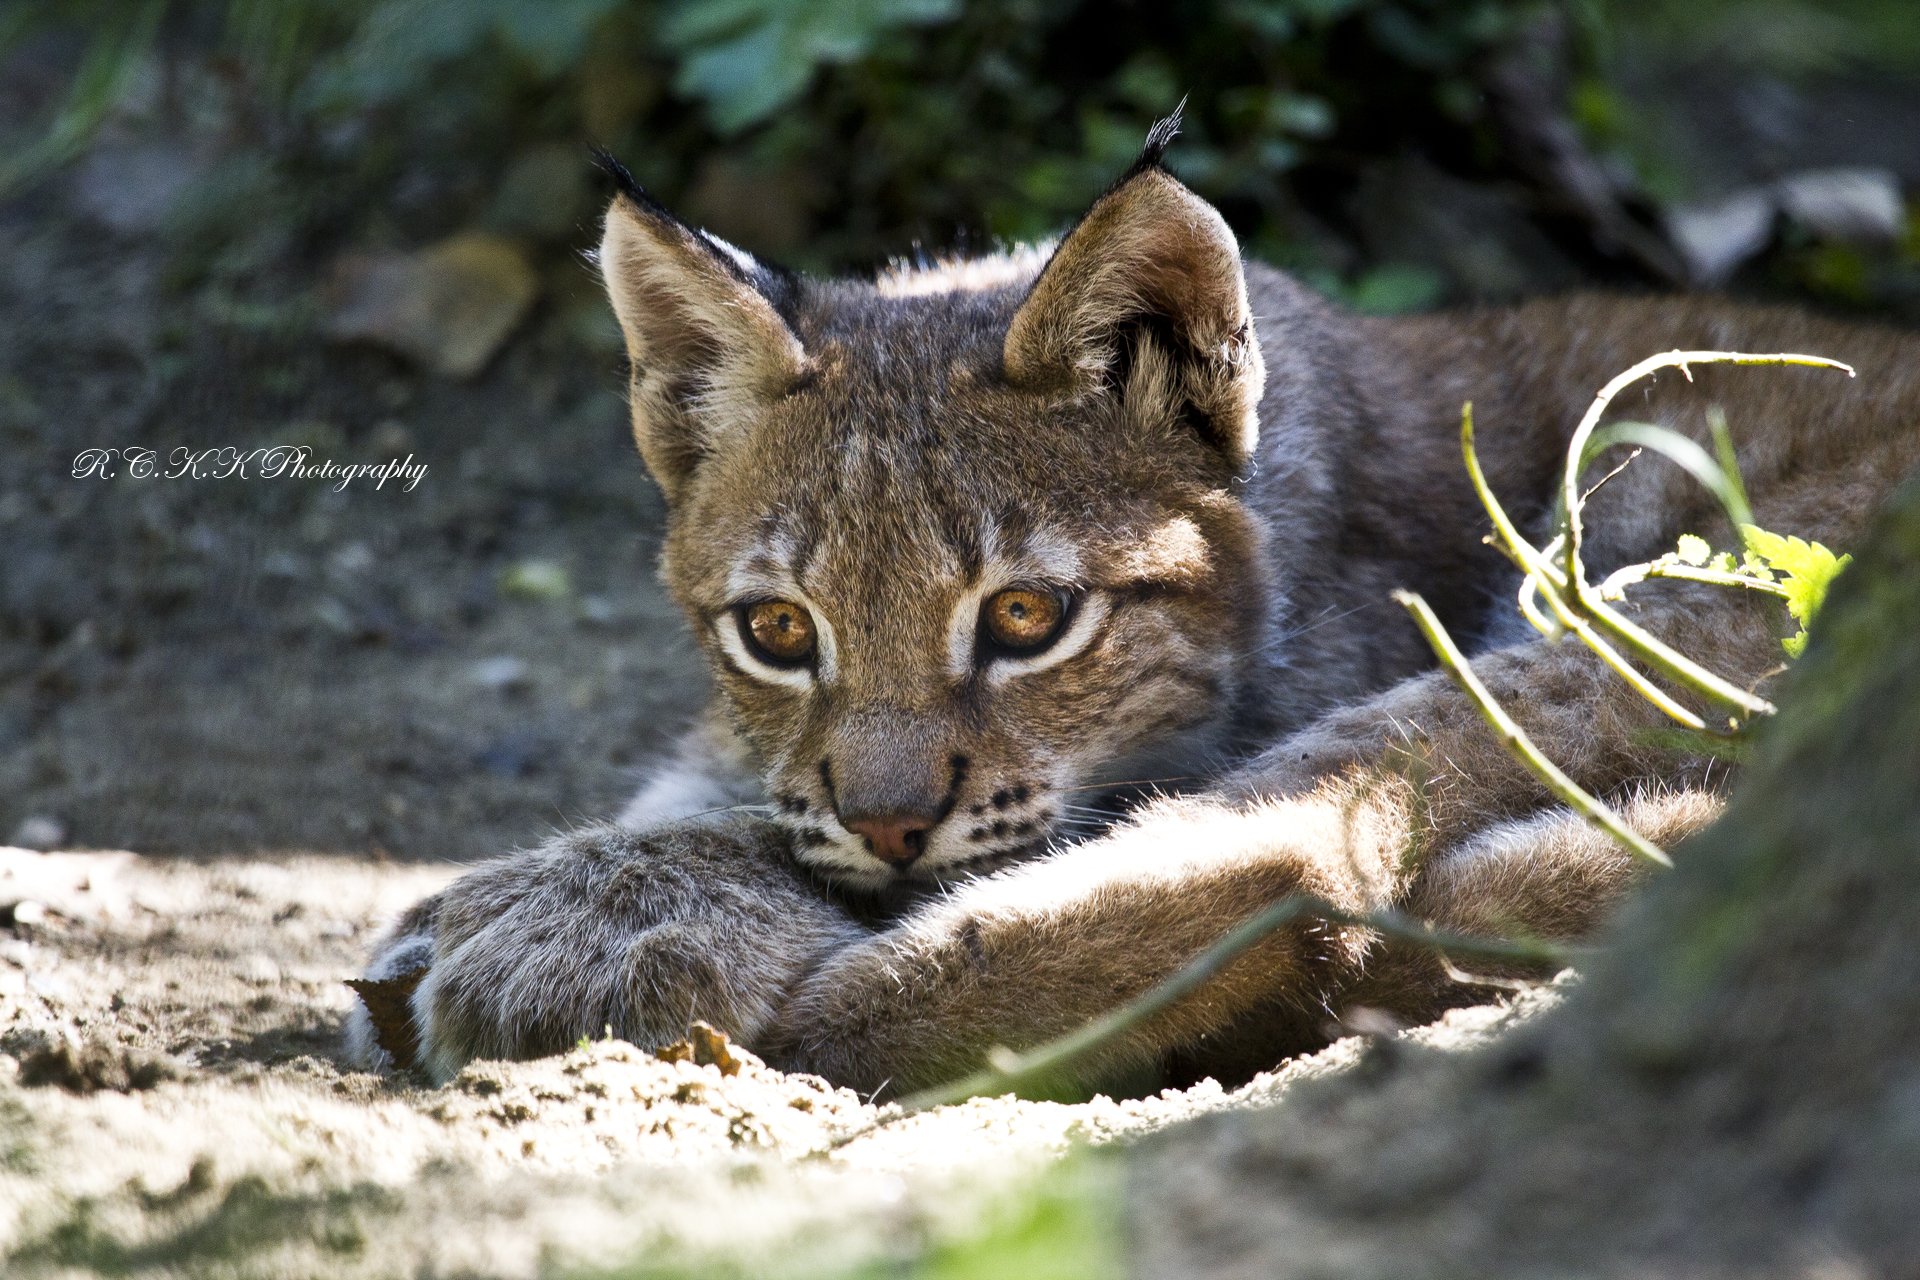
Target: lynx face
{"points": [[960, 545]]}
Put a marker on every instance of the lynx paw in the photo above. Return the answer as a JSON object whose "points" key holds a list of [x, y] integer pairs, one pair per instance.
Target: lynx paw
{"points": [[606, 929]]}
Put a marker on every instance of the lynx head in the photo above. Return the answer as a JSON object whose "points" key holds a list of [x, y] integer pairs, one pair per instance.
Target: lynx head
{"points": [[961, 542]]}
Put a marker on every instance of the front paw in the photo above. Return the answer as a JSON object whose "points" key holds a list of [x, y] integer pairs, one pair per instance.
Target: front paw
{"points": [[606, 929]]}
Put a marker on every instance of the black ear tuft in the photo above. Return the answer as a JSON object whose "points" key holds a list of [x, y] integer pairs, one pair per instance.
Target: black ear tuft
{"points": [[775, 281], [1159, 138], [627, 185]]}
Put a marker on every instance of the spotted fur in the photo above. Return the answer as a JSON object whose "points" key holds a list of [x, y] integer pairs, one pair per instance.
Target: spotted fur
{"points": [[1226, 476]]}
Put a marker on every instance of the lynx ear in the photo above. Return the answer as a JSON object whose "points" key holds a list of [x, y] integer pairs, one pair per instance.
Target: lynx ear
{"points": [[1147, 293], [707, 344]]}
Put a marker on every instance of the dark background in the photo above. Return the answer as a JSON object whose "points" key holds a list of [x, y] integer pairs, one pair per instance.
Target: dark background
{"points": [[223, 225]]}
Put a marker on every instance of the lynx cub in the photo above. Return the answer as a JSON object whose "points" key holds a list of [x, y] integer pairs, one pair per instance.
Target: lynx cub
{"points": [[1046, 598]]}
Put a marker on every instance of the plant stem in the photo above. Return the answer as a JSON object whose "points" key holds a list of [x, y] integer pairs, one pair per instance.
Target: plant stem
{"points": [[1519, 744], [1545, 579], [1618, 581], [1668, 662]]}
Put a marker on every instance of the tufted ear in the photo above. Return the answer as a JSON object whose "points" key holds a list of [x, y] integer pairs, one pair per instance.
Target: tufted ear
{"points": [[707, 343], [1145, 295]]}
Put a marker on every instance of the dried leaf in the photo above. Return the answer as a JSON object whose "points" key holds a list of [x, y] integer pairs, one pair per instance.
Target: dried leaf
{"points": [[388, 1002], [705, 1046]]}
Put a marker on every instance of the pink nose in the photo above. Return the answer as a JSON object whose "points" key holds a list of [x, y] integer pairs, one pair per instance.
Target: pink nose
{"points": [[893, 838]]}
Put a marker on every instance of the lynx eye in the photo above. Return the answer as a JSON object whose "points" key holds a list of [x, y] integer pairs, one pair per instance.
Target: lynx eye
{"points": [[778, 632], [1023, 619]]}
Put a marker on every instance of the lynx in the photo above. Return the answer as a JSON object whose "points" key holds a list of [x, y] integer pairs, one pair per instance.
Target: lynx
{"points": [[1046, 597]]}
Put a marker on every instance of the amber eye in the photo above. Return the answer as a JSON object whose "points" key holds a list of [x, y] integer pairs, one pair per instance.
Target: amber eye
{"points": [[778, 631], [1023, 619]]}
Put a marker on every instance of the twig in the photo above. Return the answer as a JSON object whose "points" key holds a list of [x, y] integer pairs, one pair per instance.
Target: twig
{"points": [[1519, 744]]}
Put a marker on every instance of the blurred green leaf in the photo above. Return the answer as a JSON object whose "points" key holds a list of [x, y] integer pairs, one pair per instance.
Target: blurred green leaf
{"points": [[1395, 288], [748, 58]]}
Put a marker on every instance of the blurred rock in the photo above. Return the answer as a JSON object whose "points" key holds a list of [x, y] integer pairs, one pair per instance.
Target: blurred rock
{"points": [[391, 437], [449, 306], [502, 674], [1410, 213], [1852, 206], [1855, 207], [351, 560], [1715, 237], [133, 189], [598, 611], [39, 832], [514, 755]]}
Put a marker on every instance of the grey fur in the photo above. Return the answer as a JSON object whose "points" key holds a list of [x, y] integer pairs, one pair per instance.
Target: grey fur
{"points": [[1232, 475]]}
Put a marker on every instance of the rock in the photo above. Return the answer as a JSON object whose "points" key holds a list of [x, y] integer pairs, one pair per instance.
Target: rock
{"points": [[39, 832], [503, 673], [1860, 207], [133, 189], [449, 306], [1852, 206], [1715, 237]]}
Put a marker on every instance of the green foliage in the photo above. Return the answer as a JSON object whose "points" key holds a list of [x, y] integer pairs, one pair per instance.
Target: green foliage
{"points": [[1061, 1224], [748, 58], [104, 74], [1803, 569], [820, 131], [1797, 571], [1065, 1227], [829, 134]]}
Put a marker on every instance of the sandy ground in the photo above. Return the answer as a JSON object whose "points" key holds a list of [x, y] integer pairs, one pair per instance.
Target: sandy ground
{"points": [[171, 1104]]}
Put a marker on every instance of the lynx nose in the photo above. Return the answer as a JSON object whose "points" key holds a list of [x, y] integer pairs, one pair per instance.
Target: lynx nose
{"points": [[894, 838]]}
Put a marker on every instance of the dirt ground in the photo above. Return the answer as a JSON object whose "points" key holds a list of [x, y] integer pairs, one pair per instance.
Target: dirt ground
{"points": [[230, 665], [171, 1104]]}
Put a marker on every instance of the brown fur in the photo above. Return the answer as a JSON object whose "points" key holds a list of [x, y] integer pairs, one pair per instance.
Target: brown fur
{"points": [[885, 455]]}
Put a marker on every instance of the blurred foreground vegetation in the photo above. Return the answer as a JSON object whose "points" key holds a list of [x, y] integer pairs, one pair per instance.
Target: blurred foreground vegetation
{"points": [[1397, 152]]}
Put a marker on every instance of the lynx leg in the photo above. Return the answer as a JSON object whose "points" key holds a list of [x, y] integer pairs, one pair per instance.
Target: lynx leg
{"points": [[1030, 954], [1553, 876], [1034, 952]]}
